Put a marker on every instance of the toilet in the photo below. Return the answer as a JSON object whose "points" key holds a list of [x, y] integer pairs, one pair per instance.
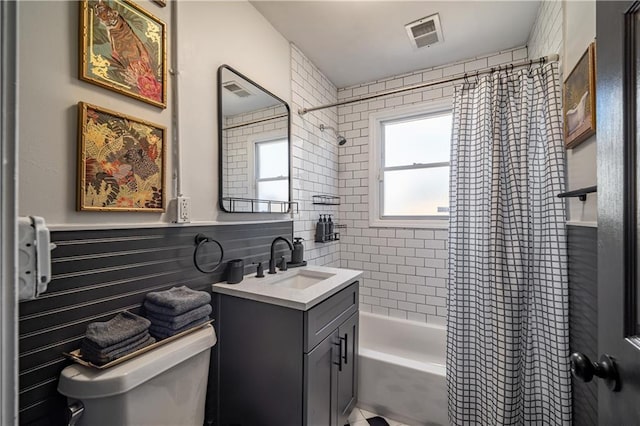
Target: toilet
{"points": [[165, 386]]}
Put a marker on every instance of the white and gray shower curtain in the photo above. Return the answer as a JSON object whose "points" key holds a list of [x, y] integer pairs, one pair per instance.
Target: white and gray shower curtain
{"points": [[507, 337]]}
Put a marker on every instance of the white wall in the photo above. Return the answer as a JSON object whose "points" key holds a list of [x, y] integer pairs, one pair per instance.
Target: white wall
{"points": [[567, 28], [213, 33], [579, 32], [405, 270], [210, 34]]}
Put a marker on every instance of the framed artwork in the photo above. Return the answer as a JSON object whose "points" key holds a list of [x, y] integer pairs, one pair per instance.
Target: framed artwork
{"points": [[121, 162], [579, 99], [123, 48]]}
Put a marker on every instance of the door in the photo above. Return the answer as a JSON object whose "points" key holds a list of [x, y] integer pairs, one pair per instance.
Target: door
{"points": [[348, 368], [618, 89], [321, 383], [8, 211]]}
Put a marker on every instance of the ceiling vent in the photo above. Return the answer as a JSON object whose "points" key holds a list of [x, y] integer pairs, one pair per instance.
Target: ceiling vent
{"points": [[425, 32], [235, 88]]}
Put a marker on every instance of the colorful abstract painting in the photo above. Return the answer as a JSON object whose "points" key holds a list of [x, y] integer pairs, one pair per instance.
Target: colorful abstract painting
{"points": [[123, 48], [121, 162]]}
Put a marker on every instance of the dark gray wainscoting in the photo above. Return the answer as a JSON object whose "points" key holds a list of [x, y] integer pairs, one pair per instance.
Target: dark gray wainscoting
{"points": [[98, 273], [583, 316]]}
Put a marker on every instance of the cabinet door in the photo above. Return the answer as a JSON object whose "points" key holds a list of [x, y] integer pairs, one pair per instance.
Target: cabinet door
{"points": [[348, 374], [321, 382]]}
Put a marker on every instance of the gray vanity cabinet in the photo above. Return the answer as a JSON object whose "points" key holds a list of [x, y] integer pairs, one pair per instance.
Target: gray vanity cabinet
{"points": [[348, 374], [331, 376], [321, 379], [284, 366]]}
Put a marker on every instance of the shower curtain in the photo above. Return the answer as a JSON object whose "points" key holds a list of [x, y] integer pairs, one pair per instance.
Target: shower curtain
{"points": [[508, 334]]}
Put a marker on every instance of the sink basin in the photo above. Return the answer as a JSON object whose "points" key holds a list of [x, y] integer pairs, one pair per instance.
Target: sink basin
{"points": [[303, 279], [298, 288]]}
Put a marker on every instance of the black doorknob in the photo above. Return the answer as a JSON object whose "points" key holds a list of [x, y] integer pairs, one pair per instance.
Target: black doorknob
{"points": [[584, 369]]}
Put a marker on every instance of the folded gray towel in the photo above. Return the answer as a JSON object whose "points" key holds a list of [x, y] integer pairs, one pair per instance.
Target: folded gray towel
{"points": [[121, 327], [104, 358], [89, 345], [177, 300], [178, 321], [160, 332]]}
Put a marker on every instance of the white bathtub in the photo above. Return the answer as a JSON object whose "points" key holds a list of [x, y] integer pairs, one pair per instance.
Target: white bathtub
{"points": [[402, 370]]}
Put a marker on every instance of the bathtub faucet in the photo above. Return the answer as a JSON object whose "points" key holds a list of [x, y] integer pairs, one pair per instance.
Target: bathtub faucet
{"points": [[272, 260]]}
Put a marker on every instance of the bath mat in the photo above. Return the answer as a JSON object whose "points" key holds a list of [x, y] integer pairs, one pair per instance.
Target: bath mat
{"points": [[377, 421]]}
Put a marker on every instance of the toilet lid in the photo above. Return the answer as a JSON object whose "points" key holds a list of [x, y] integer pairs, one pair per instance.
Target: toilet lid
{"points": [[80, 382]]}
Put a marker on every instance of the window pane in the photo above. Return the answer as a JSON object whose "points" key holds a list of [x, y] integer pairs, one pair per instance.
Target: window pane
{"points": [[272, 158], [276, 190], [423, 140], [417, 192]]}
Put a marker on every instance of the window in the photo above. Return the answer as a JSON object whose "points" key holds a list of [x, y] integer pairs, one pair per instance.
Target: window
{"points": [[409, 177], [272, 170]]}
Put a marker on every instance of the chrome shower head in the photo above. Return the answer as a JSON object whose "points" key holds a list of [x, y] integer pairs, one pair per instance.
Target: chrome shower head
{"points": [[341, 139]]}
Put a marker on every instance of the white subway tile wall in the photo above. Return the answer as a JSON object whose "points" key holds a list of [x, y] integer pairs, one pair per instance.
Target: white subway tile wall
{"points": [[405, 270], [546, 34], [315, 156]]}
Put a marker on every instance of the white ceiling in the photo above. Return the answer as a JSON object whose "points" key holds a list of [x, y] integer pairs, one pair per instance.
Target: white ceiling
{"points": [[360, 41]]}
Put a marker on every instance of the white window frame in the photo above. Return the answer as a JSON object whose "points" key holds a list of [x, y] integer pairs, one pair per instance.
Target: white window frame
{"points": [[376, 150], [252, 163]]}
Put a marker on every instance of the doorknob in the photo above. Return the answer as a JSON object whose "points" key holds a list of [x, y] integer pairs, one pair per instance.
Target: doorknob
{"points": [[584, 369]]}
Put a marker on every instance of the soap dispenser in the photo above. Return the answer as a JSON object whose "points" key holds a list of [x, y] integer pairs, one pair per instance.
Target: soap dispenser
{"points": [[320, 230], [297, 256], [259, 271]]}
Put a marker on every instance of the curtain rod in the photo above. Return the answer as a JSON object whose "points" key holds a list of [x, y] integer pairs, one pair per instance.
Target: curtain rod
{"points": [[259, 120], [542, 60]]}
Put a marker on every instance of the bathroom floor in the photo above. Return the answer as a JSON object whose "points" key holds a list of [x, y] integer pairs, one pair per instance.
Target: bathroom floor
{"points": [[360, 417]]}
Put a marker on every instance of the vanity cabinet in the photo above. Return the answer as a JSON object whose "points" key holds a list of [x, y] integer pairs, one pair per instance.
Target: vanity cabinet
{"points": [[284, 366], [332, 384]]}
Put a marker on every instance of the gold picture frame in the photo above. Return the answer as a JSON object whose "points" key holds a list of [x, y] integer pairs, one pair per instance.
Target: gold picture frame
{"points": [[121, 162], [579, 100], [123, 48]]}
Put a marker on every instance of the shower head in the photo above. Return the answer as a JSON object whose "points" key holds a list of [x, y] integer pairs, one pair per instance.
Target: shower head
{"points": [[341, 139]]}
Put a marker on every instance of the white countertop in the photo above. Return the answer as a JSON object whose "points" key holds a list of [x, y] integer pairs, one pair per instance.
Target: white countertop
{"points": [[264, 290]]}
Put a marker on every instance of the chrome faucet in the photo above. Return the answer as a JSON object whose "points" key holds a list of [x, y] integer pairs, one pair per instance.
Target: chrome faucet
{"points": [[272, 260]]}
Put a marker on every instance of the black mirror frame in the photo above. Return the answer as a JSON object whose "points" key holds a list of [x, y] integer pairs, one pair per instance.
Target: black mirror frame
{"points": [[220, 140]]}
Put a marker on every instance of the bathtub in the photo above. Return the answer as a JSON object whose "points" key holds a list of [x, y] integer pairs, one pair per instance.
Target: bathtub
{"points": [[401, 370]]}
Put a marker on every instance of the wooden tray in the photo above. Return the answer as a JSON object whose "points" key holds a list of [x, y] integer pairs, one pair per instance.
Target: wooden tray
{"points": [[76, 355]]}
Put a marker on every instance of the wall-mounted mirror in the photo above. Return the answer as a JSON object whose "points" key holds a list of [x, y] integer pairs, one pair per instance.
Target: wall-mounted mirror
{"points": [[254, 146]]}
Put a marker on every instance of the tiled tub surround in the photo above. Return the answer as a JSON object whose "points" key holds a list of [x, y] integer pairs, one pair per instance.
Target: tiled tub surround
{"points": [[546, 34], [405, 268], [315, 155]]}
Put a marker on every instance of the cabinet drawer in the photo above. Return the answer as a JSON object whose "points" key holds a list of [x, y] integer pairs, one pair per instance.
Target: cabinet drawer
{"points": [[324, 318]]}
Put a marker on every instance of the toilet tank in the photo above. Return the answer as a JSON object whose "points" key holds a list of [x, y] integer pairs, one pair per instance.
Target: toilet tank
{"points": [[165, 386]]}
